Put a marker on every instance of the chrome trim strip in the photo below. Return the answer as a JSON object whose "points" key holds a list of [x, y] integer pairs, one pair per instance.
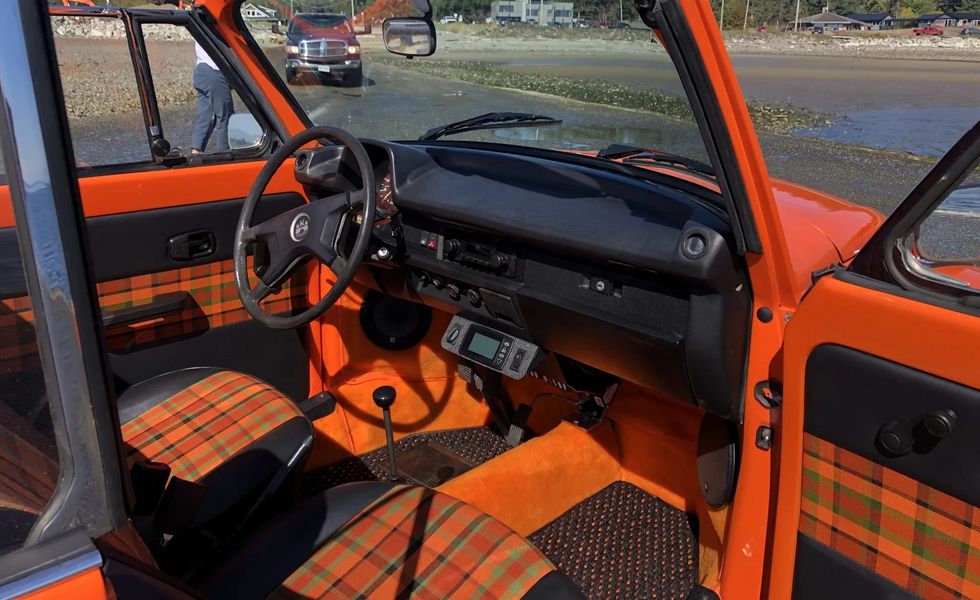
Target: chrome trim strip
{"points": [[52, 575]]}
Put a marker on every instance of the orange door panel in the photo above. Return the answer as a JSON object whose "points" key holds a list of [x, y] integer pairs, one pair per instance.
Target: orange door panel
{"points": [[878, 486]]}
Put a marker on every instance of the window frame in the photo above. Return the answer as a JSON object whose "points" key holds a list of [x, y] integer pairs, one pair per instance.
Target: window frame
{"points": [[91, 497], [133, 20]]}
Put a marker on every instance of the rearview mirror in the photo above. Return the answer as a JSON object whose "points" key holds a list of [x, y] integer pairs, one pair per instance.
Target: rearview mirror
{"points": [[244, 132], [409, 36]]}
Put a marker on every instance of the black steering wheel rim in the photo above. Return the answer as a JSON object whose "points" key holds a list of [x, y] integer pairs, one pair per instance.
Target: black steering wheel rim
{"points": [[317, 239]]}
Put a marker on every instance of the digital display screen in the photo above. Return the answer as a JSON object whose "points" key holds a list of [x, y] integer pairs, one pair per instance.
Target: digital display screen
{"points": [[483, 345]]}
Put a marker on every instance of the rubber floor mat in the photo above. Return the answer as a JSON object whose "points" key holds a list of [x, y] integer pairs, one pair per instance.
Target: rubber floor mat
{"points": [[623, 543], [472, 445]]}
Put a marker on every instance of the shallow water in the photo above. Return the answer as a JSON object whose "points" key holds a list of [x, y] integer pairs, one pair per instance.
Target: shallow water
{"points": [[925, 131]]}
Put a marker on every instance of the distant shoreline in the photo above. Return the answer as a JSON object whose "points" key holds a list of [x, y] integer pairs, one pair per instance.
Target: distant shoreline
{"points": [[893, 45]]}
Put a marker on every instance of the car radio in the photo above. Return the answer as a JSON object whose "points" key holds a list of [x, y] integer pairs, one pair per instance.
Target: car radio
{"points": [[489, 347]]}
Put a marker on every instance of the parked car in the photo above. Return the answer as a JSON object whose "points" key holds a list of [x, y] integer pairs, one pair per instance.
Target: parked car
{"points": [[928, 30], [448, 19], [621, 25], [336, 362], [970, 31], [323, 45], [580, 24]]}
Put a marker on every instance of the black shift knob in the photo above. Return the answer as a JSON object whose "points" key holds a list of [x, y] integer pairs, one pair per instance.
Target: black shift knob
{"points": [[384, 396]]}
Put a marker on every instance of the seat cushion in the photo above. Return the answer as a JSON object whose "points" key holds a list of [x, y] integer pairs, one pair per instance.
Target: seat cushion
{"points": [[225, 430], [200, 418], [378, 540]]}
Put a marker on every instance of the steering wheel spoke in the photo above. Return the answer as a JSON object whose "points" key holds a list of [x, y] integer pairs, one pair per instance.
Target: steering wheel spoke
{"points": [[260, 292], [338, 265], [317, 228]]}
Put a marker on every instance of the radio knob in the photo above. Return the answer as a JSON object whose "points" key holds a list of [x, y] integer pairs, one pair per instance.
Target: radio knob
{"points": [[453, 290], [424, 279], [451, 248], [474, 297], [498, 262], [437, 282]]}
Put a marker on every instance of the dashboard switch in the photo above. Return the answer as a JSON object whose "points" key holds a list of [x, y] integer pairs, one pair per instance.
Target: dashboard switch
{"points": [[453, 290], [474, 297], [515, 365]]}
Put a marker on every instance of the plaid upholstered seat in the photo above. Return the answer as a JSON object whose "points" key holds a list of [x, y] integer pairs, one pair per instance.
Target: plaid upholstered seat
{"points": [[380, 541], [228, 431]]}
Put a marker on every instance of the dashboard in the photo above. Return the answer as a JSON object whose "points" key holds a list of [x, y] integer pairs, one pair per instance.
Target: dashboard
{"points": [[632, 276]]}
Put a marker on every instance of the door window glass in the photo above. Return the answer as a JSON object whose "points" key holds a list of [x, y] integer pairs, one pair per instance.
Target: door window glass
{"points": [[28, 454], [200, 110], [101, 96]]}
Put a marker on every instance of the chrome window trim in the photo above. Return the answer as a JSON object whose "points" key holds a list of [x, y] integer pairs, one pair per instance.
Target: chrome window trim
{"points": [[50, 575], [921, 268]]}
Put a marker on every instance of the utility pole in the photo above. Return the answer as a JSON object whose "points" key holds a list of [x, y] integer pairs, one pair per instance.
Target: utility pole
{"points": [[745, 21], [540, 13], [620, 10], [352, 12], [721, 17], [796, 23]]}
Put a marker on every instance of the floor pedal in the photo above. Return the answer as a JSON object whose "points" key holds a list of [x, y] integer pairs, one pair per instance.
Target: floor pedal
{"points": [[431, 464]]}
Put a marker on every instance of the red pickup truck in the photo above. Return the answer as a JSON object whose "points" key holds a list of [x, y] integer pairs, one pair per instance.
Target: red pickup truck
{"points": [[927, 30], [324, 44]]}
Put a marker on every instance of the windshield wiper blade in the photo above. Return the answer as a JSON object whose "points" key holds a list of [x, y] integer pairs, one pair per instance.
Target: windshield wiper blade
{"points": [[632, 154], [494, 120]]}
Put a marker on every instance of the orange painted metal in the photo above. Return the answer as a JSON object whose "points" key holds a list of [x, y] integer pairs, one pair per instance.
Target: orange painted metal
{"points": [[88, 585], [165, 188], [774, 285], [941, 342]]}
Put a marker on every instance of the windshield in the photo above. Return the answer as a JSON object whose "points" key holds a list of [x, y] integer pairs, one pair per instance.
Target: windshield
{"points": [[310, 24], [605, 85]]}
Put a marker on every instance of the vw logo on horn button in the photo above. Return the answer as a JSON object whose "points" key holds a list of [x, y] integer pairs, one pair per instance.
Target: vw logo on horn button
{"points": [[300, 227]]}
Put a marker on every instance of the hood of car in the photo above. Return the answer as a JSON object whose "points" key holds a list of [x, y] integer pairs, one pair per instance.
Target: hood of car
{"points": [[322, 34]]}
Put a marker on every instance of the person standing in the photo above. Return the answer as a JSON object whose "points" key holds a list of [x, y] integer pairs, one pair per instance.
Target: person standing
{"points": [[214, 104]]}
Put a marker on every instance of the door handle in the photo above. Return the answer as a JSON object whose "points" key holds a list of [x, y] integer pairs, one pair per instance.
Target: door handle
{"points": [[191, 245]]}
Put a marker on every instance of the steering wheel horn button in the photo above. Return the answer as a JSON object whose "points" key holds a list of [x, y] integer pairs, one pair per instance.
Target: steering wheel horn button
{"points": [[300, 227]]}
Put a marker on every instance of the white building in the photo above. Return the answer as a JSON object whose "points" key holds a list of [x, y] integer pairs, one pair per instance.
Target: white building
{"points": [[260, 13], [529, 11]]}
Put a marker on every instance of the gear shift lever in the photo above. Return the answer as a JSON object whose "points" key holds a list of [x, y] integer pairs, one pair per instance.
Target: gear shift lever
{"points": [[384, 397]]}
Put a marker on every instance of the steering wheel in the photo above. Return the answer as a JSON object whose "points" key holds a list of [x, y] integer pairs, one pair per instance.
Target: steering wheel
{"points": [[315, 229]]}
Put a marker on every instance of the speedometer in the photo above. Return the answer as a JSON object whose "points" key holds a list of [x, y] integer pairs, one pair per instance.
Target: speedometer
{"points": [[385, 205]]}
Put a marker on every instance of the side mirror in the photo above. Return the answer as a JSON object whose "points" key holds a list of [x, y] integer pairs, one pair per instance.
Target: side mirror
{"points": [[244, 132], [409, 36]]}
